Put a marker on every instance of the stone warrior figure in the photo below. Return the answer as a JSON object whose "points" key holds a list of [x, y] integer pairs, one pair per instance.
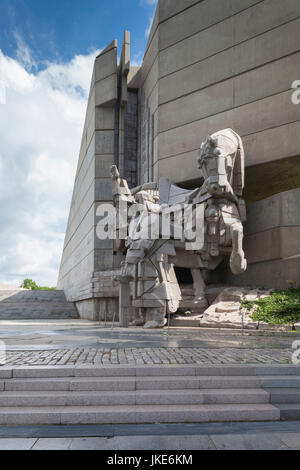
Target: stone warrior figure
{"points": [[156, 290], [217, 208]]}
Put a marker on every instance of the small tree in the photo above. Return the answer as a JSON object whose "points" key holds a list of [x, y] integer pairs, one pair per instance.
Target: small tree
{"points": [[32, 285], [29, 284]]}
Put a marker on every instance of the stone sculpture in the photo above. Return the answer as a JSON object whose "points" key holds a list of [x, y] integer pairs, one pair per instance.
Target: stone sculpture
{"points": [[216, 212]]}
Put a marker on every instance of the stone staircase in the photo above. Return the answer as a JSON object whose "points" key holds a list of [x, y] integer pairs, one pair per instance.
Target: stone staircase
{"points": [[286, 399], [21, 304], [148, 394]]}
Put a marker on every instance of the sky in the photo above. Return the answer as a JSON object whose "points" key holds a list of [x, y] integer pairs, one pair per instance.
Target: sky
{"points": [[47, 50]]}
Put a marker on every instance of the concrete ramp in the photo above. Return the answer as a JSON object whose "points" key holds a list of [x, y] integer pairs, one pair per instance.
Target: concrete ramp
{"points": [[21, 304]]}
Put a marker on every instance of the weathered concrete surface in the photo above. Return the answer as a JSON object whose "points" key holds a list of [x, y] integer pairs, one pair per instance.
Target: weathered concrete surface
{"points": [[84, 254], [22, 304], [208, 65], [271, 243], [218, 67]]}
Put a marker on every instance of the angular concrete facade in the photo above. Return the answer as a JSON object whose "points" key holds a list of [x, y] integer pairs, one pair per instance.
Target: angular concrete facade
{"points": [[208, 65]]}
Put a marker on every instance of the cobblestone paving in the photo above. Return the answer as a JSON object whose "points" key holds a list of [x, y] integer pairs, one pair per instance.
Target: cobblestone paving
{"points": [[138, 356]]}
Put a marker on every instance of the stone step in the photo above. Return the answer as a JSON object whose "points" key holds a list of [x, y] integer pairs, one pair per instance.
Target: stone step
{"points": [[38, 313], [185, 322], [147, 383], [279, 381], [70, 384], [221, 382], [289, 411], [137, 414], [37, 316], [46, 305], [238, 370], [130, 383], [173, 383], [284, 395], [140, 397], [25, 295], [35, 305]]}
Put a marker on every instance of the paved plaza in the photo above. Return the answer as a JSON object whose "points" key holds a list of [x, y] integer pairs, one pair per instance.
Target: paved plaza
{"points": [[217, 436], [76, 342], [284, 441]]}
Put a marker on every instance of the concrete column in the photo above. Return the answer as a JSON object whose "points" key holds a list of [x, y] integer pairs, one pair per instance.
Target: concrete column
{"points": [[124, 303]]}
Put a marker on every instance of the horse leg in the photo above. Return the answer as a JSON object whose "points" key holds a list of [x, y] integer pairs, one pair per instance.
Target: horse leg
{"points": [[155, 317], [200, 301], [238, 262]]}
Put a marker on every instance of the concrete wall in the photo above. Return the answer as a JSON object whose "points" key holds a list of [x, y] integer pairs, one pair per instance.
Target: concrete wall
{"points": [[211, 65], [272, 243], [214, 64], [84, 254]]}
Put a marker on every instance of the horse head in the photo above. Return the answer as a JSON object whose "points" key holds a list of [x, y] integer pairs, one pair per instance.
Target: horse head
{"points": [[221, 161]]}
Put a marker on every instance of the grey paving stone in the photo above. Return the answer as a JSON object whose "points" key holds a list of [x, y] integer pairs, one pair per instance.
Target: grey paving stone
{"points": [[229, 442], [89, 443], [179, 429], [52, 444], [160, 443], [263, 442], [291, 440], [17, 444]]}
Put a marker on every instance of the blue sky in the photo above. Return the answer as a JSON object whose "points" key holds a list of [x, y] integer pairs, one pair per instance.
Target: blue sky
{"points": [[61, 29], [47, 51]]}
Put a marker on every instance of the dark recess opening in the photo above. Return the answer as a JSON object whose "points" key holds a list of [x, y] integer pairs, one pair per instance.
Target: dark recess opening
{"points": [[184, 275]]}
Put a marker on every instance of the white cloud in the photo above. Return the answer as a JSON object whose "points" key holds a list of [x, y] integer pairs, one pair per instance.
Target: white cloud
{"points": [[148, 29], [149, 2], [137, 60], [23, 54], [40, 132], [153, 4]]}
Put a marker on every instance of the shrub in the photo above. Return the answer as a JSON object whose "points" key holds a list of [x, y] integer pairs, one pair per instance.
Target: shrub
{"points": [[32, 285], [281, 307]]}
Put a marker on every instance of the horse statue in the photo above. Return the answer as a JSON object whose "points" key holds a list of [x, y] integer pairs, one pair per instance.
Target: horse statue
{"points": [[212, 231]]}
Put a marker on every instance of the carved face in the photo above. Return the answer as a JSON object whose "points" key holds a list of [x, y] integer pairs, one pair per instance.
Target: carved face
{"points": [[143, 196], [216, 167]]}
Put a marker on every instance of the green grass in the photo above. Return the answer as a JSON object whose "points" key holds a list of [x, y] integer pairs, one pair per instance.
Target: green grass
{"points": [[282, 307]]}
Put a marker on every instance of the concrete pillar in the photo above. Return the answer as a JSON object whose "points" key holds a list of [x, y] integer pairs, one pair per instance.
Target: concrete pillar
{"points": [[124, 303]]}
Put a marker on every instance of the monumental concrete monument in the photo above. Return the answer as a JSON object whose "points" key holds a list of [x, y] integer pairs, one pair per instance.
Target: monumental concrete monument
{"points": [[208, 65], [206, 224]]}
